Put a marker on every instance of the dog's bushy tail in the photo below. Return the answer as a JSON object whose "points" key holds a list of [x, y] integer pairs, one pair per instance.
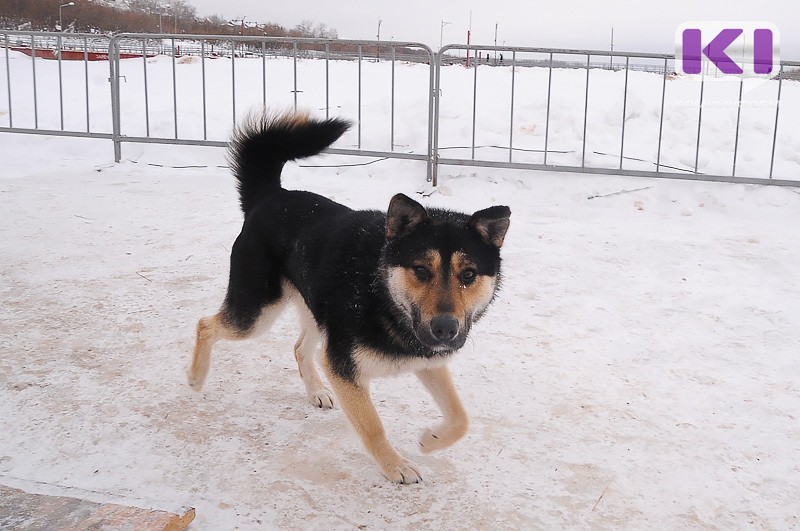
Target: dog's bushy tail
{"points": [[264, 142]]}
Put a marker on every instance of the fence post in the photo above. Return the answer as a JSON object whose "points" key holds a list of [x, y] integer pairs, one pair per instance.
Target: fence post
{"points": [[433, 145], [8, 82], [113, 66], [775, 131], [432, 114]]}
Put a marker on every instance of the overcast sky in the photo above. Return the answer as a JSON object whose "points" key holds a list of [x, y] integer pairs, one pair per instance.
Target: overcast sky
{"points": [[638, 26]]}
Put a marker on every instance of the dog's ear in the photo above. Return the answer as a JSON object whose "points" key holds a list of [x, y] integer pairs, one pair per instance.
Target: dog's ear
{"points": [[491, 224], [403, 216]]}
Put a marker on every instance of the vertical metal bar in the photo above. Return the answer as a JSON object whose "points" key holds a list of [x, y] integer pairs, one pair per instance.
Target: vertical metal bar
{"points": [[35, 99], [511, 121], [263, 73], [359, 96], [116, 126], [547, 117], [327, 81], [294, 55], [624, 110], [146, 95], [8, 82], [203, 77], [474, 98], [661, 117], [585, 111], [60, 45], [775, 131], [433, 110], [233, 81], [391, 140], [433, 118], [699, 123], [738, 119], [86, 78], [174, 91]]}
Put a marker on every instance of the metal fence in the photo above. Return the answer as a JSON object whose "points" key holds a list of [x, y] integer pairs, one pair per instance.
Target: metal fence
{"points": [[683, 154], [243, 93], [546, 99], [26, 91]]}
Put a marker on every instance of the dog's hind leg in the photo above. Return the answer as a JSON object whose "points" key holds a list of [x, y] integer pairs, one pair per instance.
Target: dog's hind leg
{"points": [[252, 303], [212, 329], [209, 331], [305, 352], [438, 382]]}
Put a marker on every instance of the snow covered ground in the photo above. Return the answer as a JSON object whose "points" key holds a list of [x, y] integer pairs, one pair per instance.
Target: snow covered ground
{"points": [[639, 368]]}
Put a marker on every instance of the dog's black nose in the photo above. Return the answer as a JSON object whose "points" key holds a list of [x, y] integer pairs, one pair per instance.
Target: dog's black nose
{"points": [[444, 327]]}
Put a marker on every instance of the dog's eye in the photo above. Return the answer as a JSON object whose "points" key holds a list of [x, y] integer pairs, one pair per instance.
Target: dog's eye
{"points": [[467, 276], [422, 273]]}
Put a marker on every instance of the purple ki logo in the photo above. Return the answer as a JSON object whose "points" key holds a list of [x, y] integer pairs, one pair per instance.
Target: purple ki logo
{"points": [[745, 49]]}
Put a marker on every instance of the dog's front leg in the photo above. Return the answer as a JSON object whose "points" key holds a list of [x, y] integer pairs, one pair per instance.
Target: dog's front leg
{"points": [[438, 382], [355, 401]]}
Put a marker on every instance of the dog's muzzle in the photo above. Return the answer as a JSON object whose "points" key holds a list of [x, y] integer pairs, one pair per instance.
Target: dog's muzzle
{"points": [[443, 332]]}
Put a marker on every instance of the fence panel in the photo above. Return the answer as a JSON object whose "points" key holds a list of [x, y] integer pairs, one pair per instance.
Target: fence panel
{"points": [[196, 87], [55, 84], [508, 107], [610, 113]]}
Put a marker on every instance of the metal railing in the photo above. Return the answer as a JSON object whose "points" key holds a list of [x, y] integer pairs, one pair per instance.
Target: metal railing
{"points": [[487, 156], [150, 103], [23, 84], [291, 52]]}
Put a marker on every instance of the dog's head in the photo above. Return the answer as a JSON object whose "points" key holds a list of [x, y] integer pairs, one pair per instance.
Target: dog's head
{"points": [[442, 268]]}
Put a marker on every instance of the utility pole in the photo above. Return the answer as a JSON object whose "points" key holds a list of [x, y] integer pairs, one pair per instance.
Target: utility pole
{"points": [[174, 21], [60, 23], [612, 47], [469, 33], [379, 40], [161, 14], [495, 43], [441, 33]]}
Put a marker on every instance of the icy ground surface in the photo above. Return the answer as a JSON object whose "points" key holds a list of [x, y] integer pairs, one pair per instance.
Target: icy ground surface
{"points": [[639, 368]]}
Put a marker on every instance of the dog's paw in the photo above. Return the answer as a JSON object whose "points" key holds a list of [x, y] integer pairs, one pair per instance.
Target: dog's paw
{"points": [[441, 437], [429, 441], [402, 471], [322, 399], [195, 381]]}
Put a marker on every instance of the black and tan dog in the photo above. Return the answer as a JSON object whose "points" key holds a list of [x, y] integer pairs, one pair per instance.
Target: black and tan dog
{"points": [[381, 293]]}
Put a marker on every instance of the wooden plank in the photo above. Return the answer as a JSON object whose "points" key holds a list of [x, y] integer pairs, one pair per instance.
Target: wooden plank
{"points": [[22, 510]]}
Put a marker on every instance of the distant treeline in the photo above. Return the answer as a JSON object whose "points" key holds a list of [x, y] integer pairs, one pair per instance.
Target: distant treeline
{"points": [[139, 16]]}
